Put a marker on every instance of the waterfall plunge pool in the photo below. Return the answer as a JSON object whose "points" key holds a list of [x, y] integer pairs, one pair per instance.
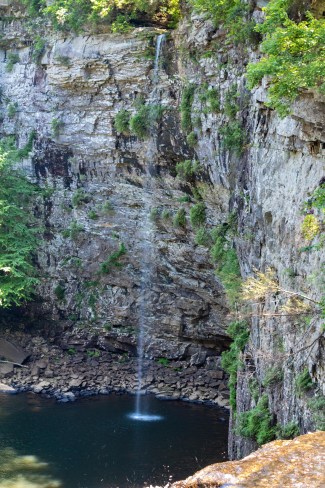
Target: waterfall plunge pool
{"points": [[96, 443]]}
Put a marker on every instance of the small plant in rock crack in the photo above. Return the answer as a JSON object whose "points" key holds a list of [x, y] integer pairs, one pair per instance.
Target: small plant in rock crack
{"points": [[197, 215], [12, 59], [179, 219], [93, 353], [187, 169], [122, 122], [59, 292], [154, 214], [114, 260], [56, 126], [202, 237], [73, 230], [303, 382], [79, 198], [163, 361], [12, 110], [93, 215]]}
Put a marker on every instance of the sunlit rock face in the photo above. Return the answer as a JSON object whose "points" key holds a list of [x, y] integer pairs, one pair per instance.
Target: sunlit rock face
{"points": [[289, 464], [70, 97], [77, 88], [17, 471]]}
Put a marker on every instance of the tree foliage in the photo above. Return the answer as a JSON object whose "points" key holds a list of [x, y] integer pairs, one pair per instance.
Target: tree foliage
{"points": [[74, 14], [18, 231], [231, 14], [294, 55]]}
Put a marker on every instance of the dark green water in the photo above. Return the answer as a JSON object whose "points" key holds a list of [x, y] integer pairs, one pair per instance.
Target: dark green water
{"points": [[92, 443]]}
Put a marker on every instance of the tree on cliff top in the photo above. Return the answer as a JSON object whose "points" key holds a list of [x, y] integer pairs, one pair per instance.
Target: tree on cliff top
{"points": [[74, 14]]}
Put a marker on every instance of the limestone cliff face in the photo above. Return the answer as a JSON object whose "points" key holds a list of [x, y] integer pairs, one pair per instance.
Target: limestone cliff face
{"points": [[106, 189], [104, 186]]}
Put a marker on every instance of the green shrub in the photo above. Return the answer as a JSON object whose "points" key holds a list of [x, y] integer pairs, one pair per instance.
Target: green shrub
{"points": [[257, 423], [93, 215], [142, 122], [38, 49], [163, 361], [27, 149], [303, 382], [73, 230], [233, 15], [210, 97], [184, 199], [233, 138], [154, 215], [180, 218], [288, 431], [317, 199], [186, 170], [273, 376], [230, 360], [166, 215], [121, 24], [12, 110], [293, 55], [93, 353], [76, 14], [225, 257], [310, 227], [202, 237], [192, 139], [231, 107], [317, 406], [106, 207], [122, 121], [186, 107], [56, 126], [113, 261], [18, 231], [12, 59], [197, 214], [59, 292], [254, 388], [79, 198]]}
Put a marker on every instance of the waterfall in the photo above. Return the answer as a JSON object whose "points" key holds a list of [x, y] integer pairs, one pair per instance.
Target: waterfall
{"points": [[147, 247]]}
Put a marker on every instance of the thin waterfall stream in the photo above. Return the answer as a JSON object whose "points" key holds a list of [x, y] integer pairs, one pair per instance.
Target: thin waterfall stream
{"points": [[147, 258]]}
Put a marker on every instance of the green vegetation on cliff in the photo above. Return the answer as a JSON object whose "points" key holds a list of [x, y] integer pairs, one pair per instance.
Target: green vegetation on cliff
{"points": [[75, 14], [233, 15], [18, 232], [230, 360], [293, 41], [294, 54], [257, 422]]}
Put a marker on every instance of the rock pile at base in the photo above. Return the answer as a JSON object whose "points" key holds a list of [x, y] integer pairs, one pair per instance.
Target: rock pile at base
{"points": [[67, 374]]}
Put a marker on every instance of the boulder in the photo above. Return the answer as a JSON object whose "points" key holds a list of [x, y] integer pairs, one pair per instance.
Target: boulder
{"points": [[7, 389], [11, 352], [286, 463]]}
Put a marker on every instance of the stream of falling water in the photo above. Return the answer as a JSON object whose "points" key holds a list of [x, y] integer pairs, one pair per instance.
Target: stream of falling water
{"points": [[147, 259]]}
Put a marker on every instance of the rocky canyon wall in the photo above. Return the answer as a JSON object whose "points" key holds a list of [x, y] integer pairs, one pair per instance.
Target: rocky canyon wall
{"points": [[105, 190]]}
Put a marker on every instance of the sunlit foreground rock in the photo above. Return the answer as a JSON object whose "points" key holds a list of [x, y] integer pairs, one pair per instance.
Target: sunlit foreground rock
{"points": [[23, 472], [298, 463]]}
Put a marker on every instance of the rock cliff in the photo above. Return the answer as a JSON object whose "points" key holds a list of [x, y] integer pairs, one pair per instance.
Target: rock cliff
{"points": [[107, 191]]}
